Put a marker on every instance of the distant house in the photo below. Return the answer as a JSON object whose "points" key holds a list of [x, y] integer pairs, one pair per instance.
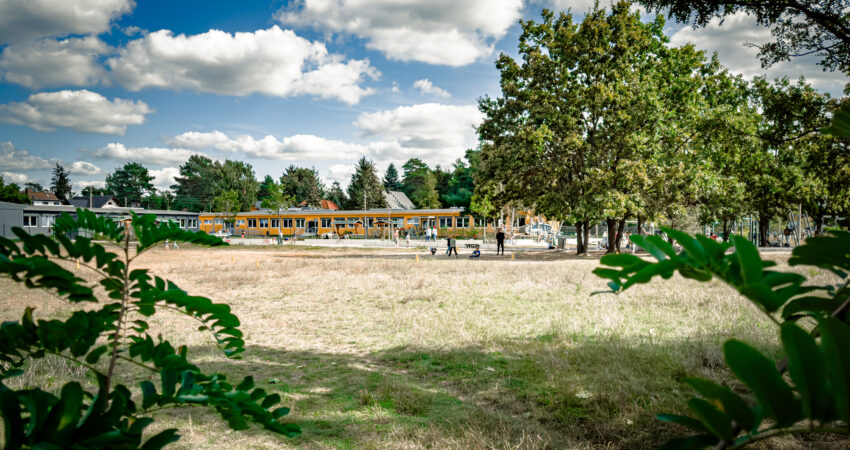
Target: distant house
{"points": [[397, 200], [325, 204], [43, 198], [96, 201]]}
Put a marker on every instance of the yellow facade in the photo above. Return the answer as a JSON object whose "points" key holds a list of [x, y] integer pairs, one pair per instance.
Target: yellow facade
{"points": [[265, 223]]}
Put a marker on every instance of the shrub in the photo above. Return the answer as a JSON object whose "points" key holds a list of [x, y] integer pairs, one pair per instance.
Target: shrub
{"points": [[806, 392], [98, 339]]}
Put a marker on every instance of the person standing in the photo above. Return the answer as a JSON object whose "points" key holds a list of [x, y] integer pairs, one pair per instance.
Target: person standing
{"points": [[500, 242], [452, 246], [448, 245], [395, 236], [434, 233], [427, 233]]}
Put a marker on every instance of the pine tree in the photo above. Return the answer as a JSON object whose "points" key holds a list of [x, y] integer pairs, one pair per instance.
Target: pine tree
{"points": [[337, 195], [365, 181], [60, 183], [391, 181]]}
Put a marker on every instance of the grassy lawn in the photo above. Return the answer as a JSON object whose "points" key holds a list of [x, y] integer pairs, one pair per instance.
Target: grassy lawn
{"points": [[372, 349]]}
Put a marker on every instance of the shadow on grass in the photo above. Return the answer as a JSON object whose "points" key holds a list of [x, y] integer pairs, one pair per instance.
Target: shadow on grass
{"points": [[544, 392]]}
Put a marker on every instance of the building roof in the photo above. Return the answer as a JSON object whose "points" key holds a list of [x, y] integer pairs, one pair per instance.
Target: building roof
{"points": [[324, 204], [119, 211], [354, 213], [97, 201], [398, 200], [42, 196]]}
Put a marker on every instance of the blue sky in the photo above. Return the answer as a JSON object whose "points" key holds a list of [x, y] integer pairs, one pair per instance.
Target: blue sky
{"points": [[93, 84]]}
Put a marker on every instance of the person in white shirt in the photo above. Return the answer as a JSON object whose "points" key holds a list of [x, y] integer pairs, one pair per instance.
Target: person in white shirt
{"points": [[427, 233]]}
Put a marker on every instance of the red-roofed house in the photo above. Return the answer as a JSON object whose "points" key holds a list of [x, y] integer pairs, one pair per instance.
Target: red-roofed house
{"points": [[43, 198]]}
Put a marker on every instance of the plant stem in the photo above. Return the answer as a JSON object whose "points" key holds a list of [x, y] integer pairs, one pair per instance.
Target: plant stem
{"points": [[121, 312]]}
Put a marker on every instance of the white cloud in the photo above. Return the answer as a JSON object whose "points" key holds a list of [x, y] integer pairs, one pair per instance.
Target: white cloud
{"points": [[341, 173], [438, 132], [164, 178], [84, 168], [49, 62], [198, 140], [446, 32], [17, 178], [297, 147], [146, 155], [728, 41], [81, 110], [83, 184], [12, 158], [22, 20], [426, 87], [272, 62]]}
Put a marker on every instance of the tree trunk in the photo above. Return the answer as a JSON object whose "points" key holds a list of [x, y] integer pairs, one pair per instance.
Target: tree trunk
{"points": [[586, 236], [581, 244], [640, 226], [764, 223], [620, 233], [612, 235], [819, 224], [725, 230]]}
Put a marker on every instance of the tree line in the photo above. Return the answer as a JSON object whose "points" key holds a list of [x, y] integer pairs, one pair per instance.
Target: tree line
{"points": [[232, 186]]}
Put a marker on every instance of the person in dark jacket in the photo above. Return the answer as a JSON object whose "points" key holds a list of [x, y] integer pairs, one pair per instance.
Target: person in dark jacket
{"points": [[500, 242]]}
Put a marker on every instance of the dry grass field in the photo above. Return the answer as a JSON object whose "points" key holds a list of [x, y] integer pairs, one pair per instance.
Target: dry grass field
{"points": [[372, 349]]}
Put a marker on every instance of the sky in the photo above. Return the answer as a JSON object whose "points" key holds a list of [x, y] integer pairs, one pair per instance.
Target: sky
{"points": [[94, 84]]}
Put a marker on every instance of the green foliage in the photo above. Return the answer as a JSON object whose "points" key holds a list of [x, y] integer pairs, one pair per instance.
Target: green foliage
{"points": [[130, 183], [12, 193], [60, 182], [365, 185], [813, 328], [202, 179], [117, 332], [303, 185], [391, 181], [803, 27], [228, 203]]}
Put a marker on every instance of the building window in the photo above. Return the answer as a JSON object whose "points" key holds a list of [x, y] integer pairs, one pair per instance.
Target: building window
{"points": [[462, 222], [194, 223], [252, 223], [413, 221], [264, 223], [49, 221], [445, 222], [207, 222], [219, 221], [240, 222], [287, 223], [326, 222], [299, 223], [275, 223], [30, 221]]}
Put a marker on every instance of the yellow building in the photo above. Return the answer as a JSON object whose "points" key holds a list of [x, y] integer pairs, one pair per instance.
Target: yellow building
{"points": [[309, 222]]}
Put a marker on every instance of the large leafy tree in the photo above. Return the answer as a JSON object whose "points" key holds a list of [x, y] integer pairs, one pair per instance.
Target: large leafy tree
{"points": [[303, 184], [60, 182], [237, 176], [365, 185], [391, 181], [11, 193], [584, 116], [130, 183], [792, 115]]}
